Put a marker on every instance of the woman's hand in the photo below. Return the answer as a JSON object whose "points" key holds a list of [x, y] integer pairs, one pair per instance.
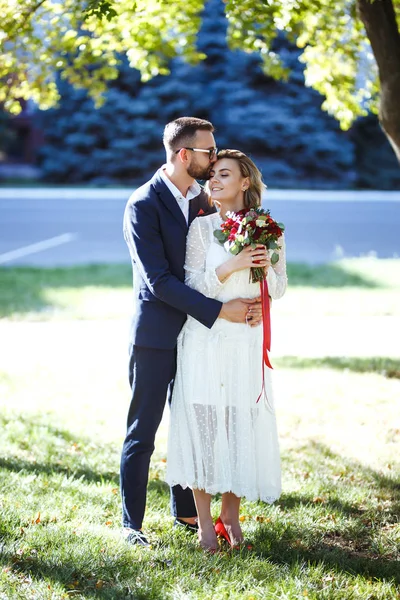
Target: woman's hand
{"points": [[248, 257], [251, 257]]}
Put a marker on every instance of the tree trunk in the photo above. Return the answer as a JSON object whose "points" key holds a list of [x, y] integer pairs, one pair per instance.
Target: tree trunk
{"points": [[379, 19]]}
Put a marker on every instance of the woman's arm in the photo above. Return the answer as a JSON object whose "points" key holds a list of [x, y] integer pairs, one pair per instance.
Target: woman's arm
{"points": [[197, 276], [206, 280], [276, 276]]}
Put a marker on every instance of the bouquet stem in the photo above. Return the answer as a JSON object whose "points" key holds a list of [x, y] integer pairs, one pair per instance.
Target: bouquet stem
{"points": [[257, 274]]}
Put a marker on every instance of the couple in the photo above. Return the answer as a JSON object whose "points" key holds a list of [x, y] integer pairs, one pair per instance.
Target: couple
{"points": [[197, 321]]}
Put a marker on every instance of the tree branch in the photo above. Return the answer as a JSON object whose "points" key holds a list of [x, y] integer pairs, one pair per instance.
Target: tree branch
{"points": [[24, 18]]}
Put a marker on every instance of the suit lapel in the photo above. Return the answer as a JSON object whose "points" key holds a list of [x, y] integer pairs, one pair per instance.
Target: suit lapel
{"points": [[193, 208], [167, 198], [200, 204]]}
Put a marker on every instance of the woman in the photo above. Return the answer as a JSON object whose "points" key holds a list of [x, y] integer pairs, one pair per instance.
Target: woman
{"points": [[221, 440]]}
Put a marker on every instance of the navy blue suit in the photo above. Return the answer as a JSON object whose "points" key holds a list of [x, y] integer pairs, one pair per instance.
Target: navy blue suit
{"points": [[155, 231]]}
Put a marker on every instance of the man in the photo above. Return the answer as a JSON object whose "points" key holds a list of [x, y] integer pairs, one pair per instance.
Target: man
{"points": [[156, 223]]}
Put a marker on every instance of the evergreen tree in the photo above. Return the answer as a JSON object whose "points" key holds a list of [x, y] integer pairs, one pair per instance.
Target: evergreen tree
{"points": [[280, 125]]}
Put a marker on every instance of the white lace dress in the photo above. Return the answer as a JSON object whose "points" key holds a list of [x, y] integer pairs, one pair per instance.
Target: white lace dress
{"points": [[220, 439]]}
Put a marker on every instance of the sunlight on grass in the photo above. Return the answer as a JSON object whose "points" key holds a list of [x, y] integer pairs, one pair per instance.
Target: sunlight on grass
{"points": [[349, 287], [87, 303]]}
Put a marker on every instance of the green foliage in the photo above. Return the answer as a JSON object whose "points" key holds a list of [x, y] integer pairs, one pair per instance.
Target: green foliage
{"points": [[282, 127], [51, 38], [101, 8], [82, 42]]}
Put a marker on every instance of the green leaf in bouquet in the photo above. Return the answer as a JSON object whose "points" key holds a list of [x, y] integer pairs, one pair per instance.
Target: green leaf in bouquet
{"points": [[235, 249], [220, 235], [281, 225], [274, 258], [273, 245], [240, 238]]}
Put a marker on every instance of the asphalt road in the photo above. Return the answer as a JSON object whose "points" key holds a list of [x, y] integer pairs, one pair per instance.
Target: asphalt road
{"points": [[56, 227]]}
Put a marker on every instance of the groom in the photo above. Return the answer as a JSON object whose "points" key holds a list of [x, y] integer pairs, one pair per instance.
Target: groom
{"points": [[156, 221]]}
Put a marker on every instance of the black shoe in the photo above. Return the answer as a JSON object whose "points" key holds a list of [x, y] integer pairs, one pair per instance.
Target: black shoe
{"points": [[193, 527], [135, 537]]}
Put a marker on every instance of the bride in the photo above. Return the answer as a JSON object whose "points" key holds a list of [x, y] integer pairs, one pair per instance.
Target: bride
{"points": [[220, 439]]}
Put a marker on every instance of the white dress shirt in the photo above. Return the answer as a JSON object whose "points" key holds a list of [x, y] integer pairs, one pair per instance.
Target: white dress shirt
{"points": [[183, 203]]}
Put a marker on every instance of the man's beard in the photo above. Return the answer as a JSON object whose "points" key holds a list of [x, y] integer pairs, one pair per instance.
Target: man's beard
{"points": [[197, 172]]}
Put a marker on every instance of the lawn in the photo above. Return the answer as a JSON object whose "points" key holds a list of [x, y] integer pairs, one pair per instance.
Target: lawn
{"points": [[349, 287], [335, 531]]}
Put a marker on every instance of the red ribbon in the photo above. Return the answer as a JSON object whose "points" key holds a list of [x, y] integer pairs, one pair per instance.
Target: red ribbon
{"points": [[266, 316]]}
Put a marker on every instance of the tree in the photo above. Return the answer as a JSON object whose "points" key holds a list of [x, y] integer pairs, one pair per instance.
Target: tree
{"points": [[82, 40], [279, 124]]}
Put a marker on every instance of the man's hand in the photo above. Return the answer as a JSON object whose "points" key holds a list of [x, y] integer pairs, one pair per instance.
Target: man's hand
{"points": [[242, 310]]}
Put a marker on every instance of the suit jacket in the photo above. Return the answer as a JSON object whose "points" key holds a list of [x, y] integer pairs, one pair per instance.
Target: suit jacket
{"points": [[155, 231]]}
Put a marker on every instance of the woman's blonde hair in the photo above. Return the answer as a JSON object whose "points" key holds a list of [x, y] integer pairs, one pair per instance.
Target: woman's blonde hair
{"points": [[253, 194]]}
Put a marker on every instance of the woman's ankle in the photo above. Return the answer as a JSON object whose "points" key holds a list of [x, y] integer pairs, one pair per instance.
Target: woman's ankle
{"points": [[205, 523], [229, 519]]}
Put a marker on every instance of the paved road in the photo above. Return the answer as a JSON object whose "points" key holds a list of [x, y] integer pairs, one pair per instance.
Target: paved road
{"points": [[48, 227]]}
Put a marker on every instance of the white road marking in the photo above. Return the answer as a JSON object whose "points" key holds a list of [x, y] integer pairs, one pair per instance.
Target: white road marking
{"points": [[38, 247]]}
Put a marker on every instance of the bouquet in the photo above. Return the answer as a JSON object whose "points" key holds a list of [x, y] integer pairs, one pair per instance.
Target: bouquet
{"points": [[249, 227]]}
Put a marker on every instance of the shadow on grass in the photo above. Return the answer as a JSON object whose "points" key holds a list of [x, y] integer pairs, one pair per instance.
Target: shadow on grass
{"points": [[388, 367], [66, 452], [350, 550], [77, 580], [89, 475], [337, 555], [23, 289]]}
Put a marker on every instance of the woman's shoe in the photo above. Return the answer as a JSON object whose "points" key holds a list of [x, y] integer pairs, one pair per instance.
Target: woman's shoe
{"points": [[221, 531]]}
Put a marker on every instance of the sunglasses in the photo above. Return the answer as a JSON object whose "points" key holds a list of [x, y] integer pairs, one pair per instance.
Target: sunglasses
{"points": [[211, 152]]}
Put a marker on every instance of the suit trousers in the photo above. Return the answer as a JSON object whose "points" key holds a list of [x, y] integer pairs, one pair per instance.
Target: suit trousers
{"points": [[151, 376]]}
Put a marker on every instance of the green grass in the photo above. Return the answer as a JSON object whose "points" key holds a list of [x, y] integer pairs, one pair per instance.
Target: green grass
{"points": [[333, 534], [388, 367], [88, 292], [349, 287]]}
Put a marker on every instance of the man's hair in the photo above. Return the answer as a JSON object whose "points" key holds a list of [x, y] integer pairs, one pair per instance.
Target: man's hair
{"points": [[182, 132]]}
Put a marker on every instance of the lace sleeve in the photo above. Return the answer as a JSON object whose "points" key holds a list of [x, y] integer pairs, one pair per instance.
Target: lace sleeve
{"points": [[277, 278], [197, 276]]}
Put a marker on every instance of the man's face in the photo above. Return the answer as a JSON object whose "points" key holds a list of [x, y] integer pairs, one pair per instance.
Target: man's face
{"points": [[200, 163]]}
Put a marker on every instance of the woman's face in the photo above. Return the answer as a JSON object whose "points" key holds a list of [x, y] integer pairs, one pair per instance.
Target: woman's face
{"points": [[226, 181]]}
